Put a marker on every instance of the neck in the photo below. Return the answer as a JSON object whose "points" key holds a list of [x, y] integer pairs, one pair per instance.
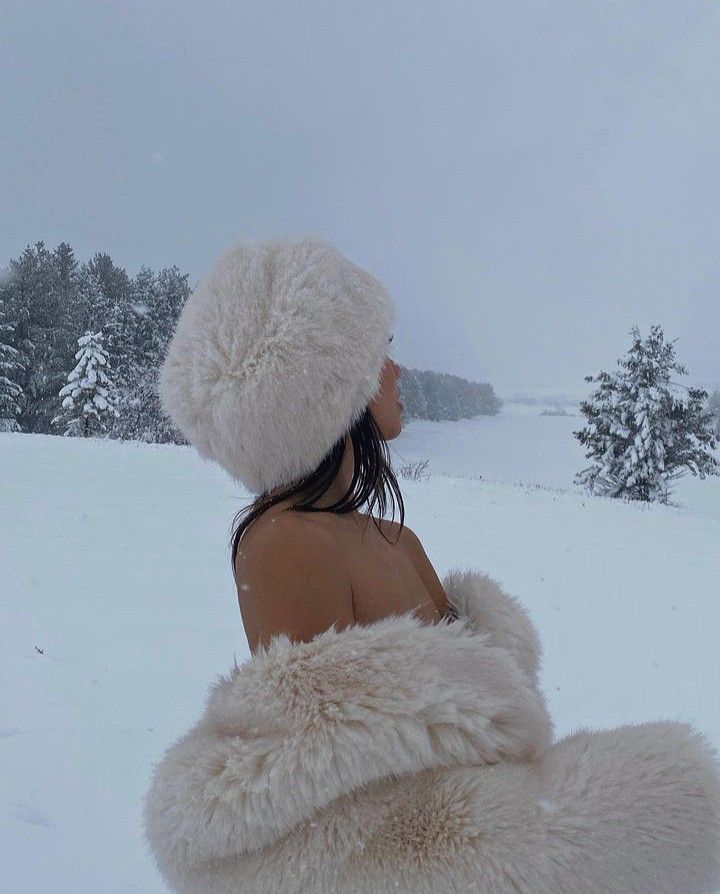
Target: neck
{"points": [[342, 480], [340, 484]]}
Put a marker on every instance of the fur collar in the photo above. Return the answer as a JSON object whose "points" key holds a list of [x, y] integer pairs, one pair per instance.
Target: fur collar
{"points": [[301, 724]]}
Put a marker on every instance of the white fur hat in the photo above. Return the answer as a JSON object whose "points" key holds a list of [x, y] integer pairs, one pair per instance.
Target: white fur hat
{"points": [[275, 355]]}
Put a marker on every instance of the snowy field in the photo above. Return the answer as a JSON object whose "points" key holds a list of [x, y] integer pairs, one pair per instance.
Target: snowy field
{"points": [[119, 610]]}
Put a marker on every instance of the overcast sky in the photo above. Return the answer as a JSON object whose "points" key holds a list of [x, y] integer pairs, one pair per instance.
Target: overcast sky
{"points": [[529, 179]]}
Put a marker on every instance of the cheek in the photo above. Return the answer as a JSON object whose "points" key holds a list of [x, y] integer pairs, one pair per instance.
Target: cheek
{"points": [[388, 376], [384, 399]]}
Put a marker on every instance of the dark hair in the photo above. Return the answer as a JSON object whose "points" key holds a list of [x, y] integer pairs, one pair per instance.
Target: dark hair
{"points": [[372, 477]]}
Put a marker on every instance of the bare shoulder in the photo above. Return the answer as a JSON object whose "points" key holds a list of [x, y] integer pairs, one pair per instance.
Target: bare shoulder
{"points": [[280, 521], [413, 547], [405, 537], [280, 537], [289, 579]]}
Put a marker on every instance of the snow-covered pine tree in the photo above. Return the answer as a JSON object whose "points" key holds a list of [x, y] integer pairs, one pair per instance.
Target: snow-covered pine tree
{"points": [[88, 396], [11, 360], [103, 297], [713, 407], [642, 431]]}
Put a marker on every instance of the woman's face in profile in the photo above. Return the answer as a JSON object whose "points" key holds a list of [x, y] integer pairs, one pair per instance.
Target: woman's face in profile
{"points": [[385, 406]]}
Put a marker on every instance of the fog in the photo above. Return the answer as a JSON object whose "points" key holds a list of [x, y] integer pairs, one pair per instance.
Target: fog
{"points": [[530, 180]]}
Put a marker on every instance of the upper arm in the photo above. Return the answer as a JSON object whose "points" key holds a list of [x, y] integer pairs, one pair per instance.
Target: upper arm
{"points": [[425, 569], [290, 580]]}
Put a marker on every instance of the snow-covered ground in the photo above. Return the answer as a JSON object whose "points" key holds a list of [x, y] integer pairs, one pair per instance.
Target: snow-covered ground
{"points": [[119, 610]]}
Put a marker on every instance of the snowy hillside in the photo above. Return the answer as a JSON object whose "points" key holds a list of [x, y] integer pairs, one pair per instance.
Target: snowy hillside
{"points": [[119, 610]]}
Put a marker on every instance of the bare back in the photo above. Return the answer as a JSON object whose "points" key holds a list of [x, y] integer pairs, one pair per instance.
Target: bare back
{"points": [[385, 577]]}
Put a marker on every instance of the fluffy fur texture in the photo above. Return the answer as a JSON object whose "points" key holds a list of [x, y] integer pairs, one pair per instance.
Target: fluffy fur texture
{"points": [[405, 757], [275, 355]]}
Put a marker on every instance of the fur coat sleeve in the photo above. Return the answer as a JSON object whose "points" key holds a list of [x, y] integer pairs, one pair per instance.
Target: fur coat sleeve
{"points": [[405, 756]]}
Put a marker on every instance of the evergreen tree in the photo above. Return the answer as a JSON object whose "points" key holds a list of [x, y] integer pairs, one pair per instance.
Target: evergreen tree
{"points": [[32, 284], [156, 303], [114, 281], [11, 360], [713, 407], [642, 432], [105, 295], [65, 272], [39, 292], [88, 396]]}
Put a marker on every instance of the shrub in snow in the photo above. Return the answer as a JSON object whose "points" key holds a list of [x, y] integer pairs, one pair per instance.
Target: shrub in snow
{"points": [[643, 431], [414, 470]]}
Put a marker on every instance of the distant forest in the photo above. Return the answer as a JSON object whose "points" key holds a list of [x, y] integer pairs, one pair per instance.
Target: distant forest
{"points": [[440, 396], [81, 345]]}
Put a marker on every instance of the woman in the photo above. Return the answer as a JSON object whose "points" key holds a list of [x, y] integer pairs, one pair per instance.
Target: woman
{"points": [[388, 732], [336, 567]]}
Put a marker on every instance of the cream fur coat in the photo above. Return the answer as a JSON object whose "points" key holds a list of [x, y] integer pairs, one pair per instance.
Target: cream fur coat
{"points": [[406, 757]]}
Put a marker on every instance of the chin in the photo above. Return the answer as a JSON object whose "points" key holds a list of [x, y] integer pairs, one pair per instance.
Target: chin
{"points": [[396, 431], [391, 428]]}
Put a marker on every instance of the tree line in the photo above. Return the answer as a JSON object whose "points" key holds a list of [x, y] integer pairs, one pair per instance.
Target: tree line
{"points": [[81, 345]]}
